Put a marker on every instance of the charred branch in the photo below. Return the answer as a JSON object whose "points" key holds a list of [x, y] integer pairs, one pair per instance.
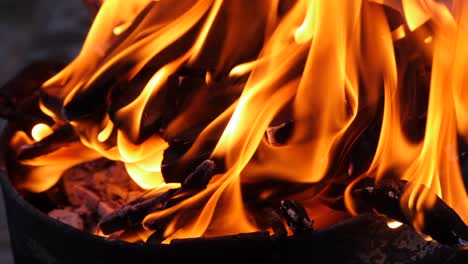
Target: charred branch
{"points": [[275, 221], [296, 217], [134, 212], [200, 177], [441, 222], [59, 138], [176, 165]]}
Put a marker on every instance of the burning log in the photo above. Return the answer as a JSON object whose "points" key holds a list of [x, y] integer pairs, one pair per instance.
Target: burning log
{"points": [[296, 217], [133, 213], [441, 222], [275, 221], [176, 166], [200, 177], [59, 138]]}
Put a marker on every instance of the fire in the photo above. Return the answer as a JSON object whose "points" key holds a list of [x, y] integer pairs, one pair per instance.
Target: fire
{"points": [[333, 67]]}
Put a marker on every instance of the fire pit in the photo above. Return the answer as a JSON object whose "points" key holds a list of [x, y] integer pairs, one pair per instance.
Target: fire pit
{"points": [[244, 130]]}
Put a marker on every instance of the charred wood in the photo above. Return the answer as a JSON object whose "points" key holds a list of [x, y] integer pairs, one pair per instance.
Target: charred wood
{"points": [[200, 177], [441, 222], [176, 165], [135, 211], [296, 217], [275, 221], [59, 138]]}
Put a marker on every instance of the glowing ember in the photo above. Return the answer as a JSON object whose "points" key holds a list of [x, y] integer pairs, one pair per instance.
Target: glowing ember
{"points": [[355, 89], [40, 131], [394, 224]]}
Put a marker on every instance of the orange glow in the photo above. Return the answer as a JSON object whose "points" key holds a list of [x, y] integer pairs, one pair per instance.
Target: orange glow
{"points": [[229, 70]]}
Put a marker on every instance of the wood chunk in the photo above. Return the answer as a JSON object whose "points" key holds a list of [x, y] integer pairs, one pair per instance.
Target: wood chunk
{"points": [[67, 216], [132, 214], [296, 217], [201, 176], [441, 222], [175, 166], [274, 219]]}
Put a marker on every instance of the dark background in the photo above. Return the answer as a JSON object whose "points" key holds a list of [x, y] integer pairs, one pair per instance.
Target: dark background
{"points": [[32, 30]]}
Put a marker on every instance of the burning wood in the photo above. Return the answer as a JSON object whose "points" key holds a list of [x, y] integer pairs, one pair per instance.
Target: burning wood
{"points": [[60, 137], [276, 223], [440, 222], [133, 213], [176, 101], [296, 217]]}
